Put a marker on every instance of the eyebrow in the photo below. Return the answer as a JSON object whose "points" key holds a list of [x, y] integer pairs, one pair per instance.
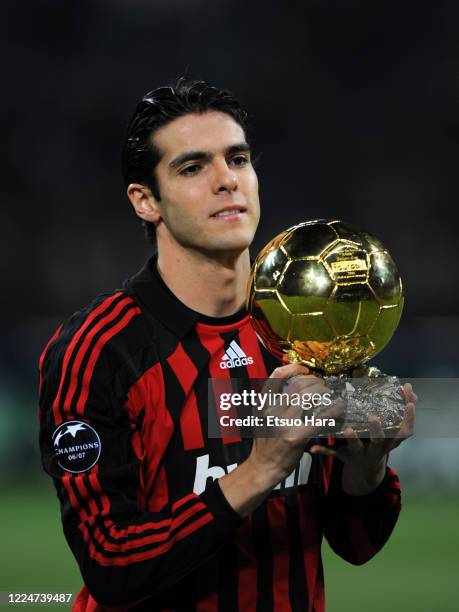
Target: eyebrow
{"points": [[203, 155]]}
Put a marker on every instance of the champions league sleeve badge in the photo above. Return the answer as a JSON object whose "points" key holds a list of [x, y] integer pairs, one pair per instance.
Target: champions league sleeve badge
{"points": [[76, 446]]}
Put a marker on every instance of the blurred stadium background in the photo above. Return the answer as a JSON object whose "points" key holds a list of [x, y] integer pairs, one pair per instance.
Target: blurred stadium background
{"points": [[354, 115]]}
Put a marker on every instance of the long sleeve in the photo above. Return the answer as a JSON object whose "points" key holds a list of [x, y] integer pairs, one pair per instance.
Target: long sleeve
{"points": [[357, 527], [90, 447]]}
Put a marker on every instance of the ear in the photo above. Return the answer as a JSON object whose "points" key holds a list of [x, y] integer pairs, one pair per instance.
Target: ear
{"points": [[144, 203]]}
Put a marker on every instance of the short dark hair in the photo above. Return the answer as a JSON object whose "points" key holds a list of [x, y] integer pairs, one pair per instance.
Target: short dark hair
{"points": [[158, 108]]}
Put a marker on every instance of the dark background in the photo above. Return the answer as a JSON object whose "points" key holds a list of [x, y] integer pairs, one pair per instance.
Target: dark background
{"points": [[354, 112], [354, 109]]}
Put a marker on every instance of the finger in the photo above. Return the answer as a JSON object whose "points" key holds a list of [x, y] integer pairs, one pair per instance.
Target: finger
{"points": [[407, 427], [301, 383], [317, 449], [289, 370], [408, 394], [354, 444], [312, 431], [376, 431]]}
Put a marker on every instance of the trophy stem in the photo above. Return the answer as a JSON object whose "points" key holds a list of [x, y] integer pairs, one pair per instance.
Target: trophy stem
{"points": [[368, 392]]}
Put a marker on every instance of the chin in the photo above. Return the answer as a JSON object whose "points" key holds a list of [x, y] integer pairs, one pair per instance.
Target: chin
{"points": [[234, 246]]}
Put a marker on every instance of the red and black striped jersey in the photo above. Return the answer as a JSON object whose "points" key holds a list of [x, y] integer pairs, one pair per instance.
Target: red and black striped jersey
{"points": [[124, 421]]}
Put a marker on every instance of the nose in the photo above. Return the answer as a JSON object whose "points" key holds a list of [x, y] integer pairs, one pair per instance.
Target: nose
{"points": [[225, 177]]}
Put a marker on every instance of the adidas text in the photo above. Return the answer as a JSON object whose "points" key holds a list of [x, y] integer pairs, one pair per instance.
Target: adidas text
{"points": [[234, 363]]}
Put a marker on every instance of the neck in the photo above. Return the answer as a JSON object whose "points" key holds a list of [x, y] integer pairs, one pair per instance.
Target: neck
{"points": [[213, 285]]}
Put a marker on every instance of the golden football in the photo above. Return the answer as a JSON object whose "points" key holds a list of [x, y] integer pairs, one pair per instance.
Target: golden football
{"points": [[326, 294]]}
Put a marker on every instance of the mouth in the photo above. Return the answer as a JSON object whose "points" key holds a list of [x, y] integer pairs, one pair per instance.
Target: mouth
{"points": [[229, 212]]}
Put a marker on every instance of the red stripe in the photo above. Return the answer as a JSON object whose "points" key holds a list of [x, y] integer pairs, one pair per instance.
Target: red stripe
{"points": [[160, 497], [43, 355], [190, 422], [319, 595], [150, 387], [187, 513], [279, 538], [94, 480], [148, 393], [183, 500], [58, 418], [73, 500], [215, 345], [137, 529], [327, 470], [393, 479], [78, 480], [191, 528], [209, 604]]}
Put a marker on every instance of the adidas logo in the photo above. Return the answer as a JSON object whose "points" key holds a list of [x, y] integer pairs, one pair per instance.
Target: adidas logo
{"points": [[234, 356]]}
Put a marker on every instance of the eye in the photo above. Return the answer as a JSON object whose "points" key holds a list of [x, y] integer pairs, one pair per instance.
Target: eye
{"points": [[240, 160], [190, 170]]}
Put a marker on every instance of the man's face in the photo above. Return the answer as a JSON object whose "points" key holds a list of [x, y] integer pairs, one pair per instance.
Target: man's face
{"points": [[208, 187]]}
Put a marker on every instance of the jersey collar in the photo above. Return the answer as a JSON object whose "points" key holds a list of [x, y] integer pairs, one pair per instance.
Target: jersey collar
{"points": [[150, 289]]}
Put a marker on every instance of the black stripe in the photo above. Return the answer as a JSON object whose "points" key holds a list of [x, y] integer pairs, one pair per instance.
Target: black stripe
{"points": [[200, 359], [185, 505], [84, 504], [239, 381], [174, 460], [92, 494], [271, 362], [199, 355], [174, 394], [228, 578], [264, 553], [297, 584]]}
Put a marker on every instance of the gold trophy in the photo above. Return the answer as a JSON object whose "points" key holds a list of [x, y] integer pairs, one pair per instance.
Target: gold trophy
{"points": [[328, 295]]}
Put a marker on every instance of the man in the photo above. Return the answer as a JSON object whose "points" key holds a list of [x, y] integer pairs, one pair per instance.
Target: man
{"points": [[159, 516]]}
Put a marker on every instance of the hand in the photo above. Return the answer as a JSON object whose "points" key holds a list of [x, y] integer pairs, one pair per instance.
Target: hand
{"points": [[273, 459], [277, 456], [365, 460]]}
